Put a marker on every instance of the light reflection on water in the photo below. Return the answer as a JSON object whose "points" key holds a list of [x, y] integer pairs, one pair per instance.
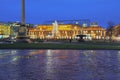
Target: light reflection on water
{"points": [[59, 65]]}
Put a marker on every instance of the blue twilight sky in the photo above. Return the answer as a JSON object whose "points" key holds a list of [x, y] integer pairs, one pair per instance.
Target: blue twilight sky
{"points": [[39, 11]]}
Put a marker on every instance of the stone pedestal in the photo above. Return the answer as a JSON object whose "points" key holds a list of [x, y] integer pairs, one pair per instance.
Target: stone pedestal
{"points": [[22, 35]]}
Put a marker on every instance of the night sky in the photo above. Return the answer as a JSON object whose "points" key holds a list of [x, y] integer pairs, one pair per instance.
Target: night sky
{"points": [[39, 11]]}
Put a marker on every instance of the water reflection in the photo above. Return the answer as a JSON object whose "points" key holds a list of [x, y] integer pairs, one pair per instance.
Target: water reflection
{"points": [[59, 65]]}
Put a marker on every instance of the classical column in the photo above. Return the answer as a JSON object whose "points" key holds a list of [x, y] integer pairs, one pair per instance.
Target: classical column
{"points": [[22, 30], [23, 12]]}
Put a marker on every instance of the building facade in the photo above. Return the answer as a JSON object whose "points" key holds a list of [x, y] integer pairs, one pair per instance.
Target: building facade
{"points": [[4, 31], [116, 30], [65, 31], [114, 33]]}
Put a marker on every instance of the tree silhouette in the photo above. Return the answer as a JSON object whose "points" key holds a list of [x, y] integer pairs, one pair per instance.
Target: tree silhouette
{"points": [[110, 29]]}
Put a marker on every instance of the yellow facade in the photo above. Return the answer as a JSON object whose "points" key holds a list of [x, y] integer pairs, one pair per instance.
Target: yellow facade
{"points": [[4, 31], [115, 31], [66, 31]]}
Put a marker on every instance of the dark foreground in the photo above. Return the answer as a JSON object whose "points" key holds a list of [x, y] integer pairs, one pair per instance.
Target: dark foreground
{"points": [[59, 65], [64, 45]]}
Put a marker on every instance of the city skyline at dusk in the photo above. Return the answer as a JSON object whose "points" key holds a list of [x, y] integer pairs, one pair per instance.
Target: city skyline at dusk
{"points": [[40, 11]]}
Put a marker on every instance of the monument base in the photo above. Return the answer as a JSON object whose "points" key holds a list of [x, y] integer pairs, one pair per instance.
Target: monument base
{"points": [[22, 35], [23, 39]]}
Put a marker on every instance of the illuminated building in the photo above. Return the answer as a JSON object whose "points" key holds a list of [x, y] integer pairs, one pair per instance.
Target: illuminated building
{"points": [[4, 31], [66, 31], [45, 31], [114, 33], [96, 32], [116, 30]]}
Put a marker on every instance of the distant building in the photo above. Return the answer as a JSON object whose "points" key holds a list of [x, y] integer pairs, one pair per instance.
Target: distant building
{"points": [[57, 31], [95, 24], [66, 31], [96, 32], [4, 31], [116, 30], [84, 25], [114, 33]]}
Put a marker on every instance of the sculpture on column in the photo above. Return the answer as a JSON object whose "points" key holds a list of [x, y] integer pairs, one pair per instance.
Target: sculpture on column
{"points": [[22, 34]]}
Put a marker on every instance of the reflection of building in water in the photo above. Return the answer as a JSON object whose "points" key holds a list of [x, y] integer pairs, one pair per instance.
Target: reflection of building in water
{"points": [[61, 63], [66, 31], [34, 52], [50, 64]]}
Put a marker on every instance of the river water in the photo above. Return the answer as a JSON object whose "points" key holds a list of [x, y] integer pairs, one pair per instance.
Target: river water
{"points": [[59, 65]]}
